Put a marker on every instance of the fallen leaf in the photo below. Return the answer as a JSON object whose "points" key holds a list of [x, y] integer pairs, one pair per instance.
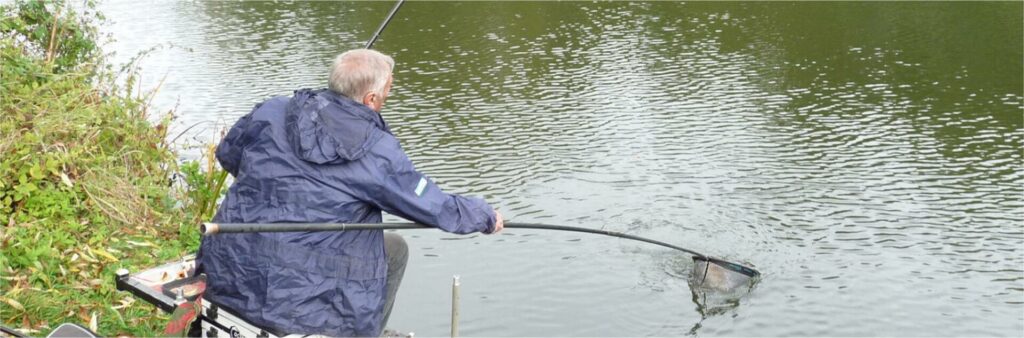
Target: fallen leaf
{"points": [[126, 302], [88, 257], [66, 180], [147, 244], [103, 253], [93, 323], [13, 303]]}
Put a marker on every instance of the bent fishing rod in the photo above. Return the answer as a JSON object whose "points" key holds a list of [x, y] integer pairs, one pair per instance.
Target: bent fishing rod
{"points": [[207, 229], [384, 24]]}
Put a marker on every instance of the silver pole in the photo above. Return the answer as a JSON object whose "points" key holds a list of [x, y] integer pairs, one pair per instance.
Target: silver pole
{"points": [[455, 306]]}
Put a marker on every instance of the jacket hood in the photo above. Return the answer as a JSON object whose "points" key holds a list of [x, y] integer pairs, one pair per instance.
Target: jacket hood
{"points": [[327, 128]]}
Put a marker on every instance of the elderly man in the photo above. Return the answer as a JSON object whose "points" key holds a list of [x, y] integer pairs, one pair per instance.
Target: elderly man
{"points": [[324, 156]]}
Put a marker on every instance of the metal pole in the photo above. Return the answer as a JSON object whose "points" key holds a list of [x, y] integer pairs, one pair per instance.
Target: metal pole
{"points": [[455, 306], [384, 24]]}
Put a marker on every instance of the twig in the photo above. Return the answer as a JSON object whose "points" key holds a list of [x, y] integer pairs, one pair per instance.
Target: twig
{"points": [[114, 213], [151, 95], [53, 37]]}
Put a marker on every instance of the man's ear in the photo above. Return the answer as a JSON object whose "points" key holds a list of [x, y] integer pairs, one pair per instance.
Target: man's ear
{"points": [[368, 98]]}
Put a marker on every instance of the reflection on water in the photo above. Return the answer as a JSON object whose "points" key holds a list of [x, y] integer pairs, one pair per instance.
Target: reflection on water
{"points": [[865, 156]]}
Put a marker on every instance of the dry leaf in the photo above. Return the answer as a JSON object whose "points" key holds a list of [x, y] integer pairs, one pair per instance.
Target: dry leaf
{"points": [[14, 303], [103, 253], [89, 257], [126, 302], [140, 243], [66, 180], [93, 323]]}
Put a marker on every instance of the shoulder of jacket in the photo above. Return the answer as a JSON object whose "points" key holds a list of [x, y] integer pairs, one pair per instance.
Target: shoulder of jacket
{"points": [[382, 142], [273, 106]]}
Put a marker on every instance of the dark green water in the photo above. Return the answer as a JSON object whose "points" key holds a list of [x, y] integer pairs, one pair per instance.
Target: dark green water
{"points": [[866, 157]]}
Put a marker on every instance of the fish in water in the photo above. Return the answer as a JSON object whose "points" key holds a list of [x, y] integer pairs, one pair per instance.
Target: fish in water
{"points": [[721, 276]]}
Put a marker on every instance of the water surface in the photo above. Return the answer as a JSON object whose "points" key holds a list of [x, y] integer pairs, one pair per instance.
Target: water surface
{"points": [[866, 157]]}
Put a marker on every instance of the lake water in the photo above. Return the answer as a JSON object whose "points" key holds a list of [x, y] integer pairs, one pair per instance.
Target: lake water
{"points": [[866, 157]]}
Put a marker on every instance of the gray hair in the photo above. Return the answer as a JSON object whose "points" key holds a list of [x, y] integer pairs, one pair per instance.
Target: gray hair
{"points": [[358, 72]]}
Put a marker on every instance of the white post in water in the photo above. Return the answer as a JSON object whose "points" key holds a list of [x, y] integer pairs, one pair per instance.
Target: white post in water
{"points": [[455, 306]]}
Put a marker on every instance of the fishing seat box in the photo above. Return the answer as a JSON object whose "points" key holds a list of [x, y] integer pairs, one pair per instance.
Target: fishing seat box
{"points": [[169, 285]]}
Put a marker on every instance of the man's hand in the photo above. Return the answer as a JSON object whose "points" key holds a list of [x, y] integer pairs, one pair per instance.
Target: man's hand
{"points": [[499, 223]]}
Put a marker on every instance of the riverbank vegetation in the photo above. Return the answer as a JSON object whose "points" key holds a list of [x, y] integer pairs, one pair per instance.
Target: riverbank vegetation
{"points": [[88, 181]]}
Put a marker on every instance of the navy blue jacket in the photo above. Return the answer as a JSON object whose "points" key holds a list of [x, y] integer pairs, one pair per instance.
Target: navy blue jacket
{"points": [[318, 157]]}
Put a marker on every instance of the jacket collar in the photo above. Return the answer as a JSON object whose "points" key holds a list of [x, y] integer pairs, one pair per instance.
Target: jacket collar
{"points": [[356, 108]]}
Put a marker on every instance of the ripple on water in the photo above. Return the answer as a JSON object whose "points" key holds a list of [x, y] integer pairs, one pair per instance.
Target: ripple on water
{"points": [[864, 174]]}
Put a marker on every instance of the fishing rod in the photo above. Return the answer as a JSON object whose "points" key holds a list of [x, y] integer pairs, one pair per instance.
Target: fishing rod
{"points": [[384, 24], [723, 270]]}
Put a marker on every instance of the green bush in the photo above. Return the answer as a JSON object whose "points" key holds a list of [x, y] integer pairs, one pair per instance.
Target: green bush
{"points": [[85, 180]]}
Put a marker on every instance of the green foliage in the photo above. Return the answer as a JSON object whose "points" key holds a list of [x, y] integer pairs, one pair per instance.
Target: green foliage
{"points": [[206, 185], [49, 31], [85, 180]]}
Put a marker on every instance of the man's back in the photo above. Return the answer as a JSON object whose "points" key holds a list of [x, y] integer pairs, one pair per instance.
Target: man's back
{"points": [[318, 157], [323, 282]]}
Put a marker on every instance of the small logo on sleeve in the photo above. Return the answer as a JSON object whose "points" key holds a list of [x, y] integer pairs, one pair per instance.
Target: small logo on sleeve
{"points": [[421, 186]]}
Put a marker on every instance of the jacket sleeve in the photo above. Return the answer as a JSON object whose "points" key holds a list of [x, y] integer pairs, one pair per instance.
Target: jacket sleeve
{"points": [[389, 181], [229, 151]]}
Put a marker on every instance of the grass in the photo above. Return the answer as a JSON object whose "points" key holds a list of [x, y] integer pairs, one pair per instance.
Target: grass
{"points": [[88, 184]]}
